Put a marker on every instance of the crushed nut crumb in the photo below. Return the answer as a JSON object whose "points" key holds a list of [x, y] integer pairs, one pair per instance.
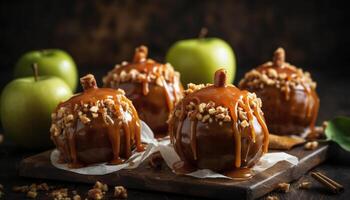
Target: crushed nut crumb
{"points": [[101, 186], [284, 187], [120, 192], [272, 198], [22, 189], [311, 145], [32, 194], [305, 185], [76, 197], [95, 194], [60, 194]]}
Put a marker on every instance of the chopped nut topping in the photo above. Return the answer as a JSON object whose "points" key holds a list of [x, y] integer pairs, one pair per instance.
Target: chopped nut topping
{"points": [[193, 87], [208, 112], [311, 145], [65, 118], [84, 119], [244, 123], [120, 192], [284, 187], [267, 75], [159, 72]]}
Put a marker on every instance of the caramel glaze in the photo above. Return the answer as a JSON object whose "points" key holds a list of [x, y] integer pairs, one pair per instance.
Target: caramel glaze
{"points": [[208, 145], [147, 96], [292, 111], [97, 141]]}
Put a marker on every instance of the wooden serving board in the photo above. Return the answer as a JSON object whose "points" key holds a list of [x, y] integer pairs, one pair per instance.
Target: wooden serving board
{"points": [[146, 178]]}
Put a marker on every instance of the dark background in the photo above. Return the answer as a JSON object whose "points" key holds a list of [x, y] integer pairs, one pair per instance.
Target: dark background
{"points": [[99, 34]]}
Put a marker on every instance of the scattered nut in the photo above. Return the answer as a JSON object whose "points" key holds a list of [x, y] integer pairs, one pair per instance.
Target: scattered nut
{"points": [[120, 192], [22, 189], [32, 194], [95, 194], [284, 187], [101, 186], [311, 145], [305, 185], [60, 194], [76, 197]]}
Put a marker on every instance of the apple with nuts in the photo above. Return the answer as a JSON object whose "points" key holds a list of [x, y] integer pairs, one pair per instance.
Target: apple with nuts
{"points": [[26, 106]]}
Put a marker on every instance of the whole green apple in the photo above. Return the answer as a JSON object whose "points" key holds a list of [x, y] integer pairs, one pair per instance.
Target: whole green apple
{"points": [[198, 59], [52, 62], [26, 106]]}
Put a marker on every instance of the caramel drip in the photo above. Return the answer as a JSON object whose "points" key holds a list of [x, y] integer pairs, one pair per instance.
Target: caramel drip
{"points": [[169, 98], [265, 130], [248, 110], [72, 147], [240, 174], [145, 88], [315, 111], [194, 138], [114, 137], [238, 145]]}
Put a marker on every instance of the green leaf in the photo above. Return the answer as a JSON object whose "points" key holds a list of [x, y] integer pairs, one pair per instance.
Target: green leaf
{"points": [[338, 130]]}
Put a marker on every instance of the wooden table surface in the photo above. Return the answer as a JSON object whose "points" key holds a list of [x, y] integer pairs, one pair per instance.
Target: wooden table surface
{"points": [[335, 100]]}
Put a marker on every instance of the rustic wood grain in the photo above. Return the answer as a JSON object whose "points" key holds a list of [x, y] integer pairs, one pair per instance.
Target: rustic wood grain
{"points": [[146, 178]]}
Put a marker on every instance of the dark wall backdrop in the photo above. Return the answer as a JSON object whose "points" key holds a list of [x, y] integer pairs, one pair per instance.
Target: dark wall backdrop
{"points": [[99, 34]]}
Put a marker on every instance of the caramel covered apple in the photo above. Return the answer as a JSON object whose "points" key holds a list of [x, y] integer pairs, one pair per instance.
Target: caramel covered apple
{"points": [[218, 127], [154, 88], [289, 95], [97, 125]]}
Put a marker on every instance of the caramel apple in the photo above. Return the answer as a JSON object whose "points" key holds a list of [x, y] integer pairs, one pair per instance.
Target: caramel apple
{"points": [[218, 127], [290, 101], [154, 88], [97, 125]]}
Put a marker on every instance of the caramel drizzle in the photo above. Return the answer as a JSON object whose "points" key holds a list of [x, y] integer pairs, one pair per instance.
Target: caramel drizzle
{"points": [[130, 127], [232, 100], [312, 100]]}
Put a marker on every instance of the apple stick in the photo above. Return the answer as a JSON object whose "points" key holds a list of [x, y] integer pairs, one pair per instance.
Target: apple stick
{"points": [[35, 71], [202, 33]]}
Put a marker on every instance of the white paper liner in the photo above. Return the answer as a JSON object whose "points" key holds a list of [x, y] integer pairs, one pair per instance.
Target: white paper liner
{"points": [[170, 157]]}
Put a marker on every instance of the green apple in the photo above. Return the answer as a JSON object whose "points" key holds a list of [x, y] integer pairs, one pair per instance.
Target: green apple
{"points": [[26, 106], [198, 59], [52, 62]]}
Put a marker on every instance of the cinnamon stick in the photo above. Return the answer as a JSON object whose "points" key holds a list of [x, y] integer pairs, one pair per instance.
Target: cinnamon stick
{"points": [[327, 182]]}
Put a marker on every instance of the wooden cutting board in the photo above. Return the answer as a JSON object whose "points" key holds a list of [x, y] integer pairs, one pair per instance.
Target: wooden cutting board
{"points": [[147, 178]]}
